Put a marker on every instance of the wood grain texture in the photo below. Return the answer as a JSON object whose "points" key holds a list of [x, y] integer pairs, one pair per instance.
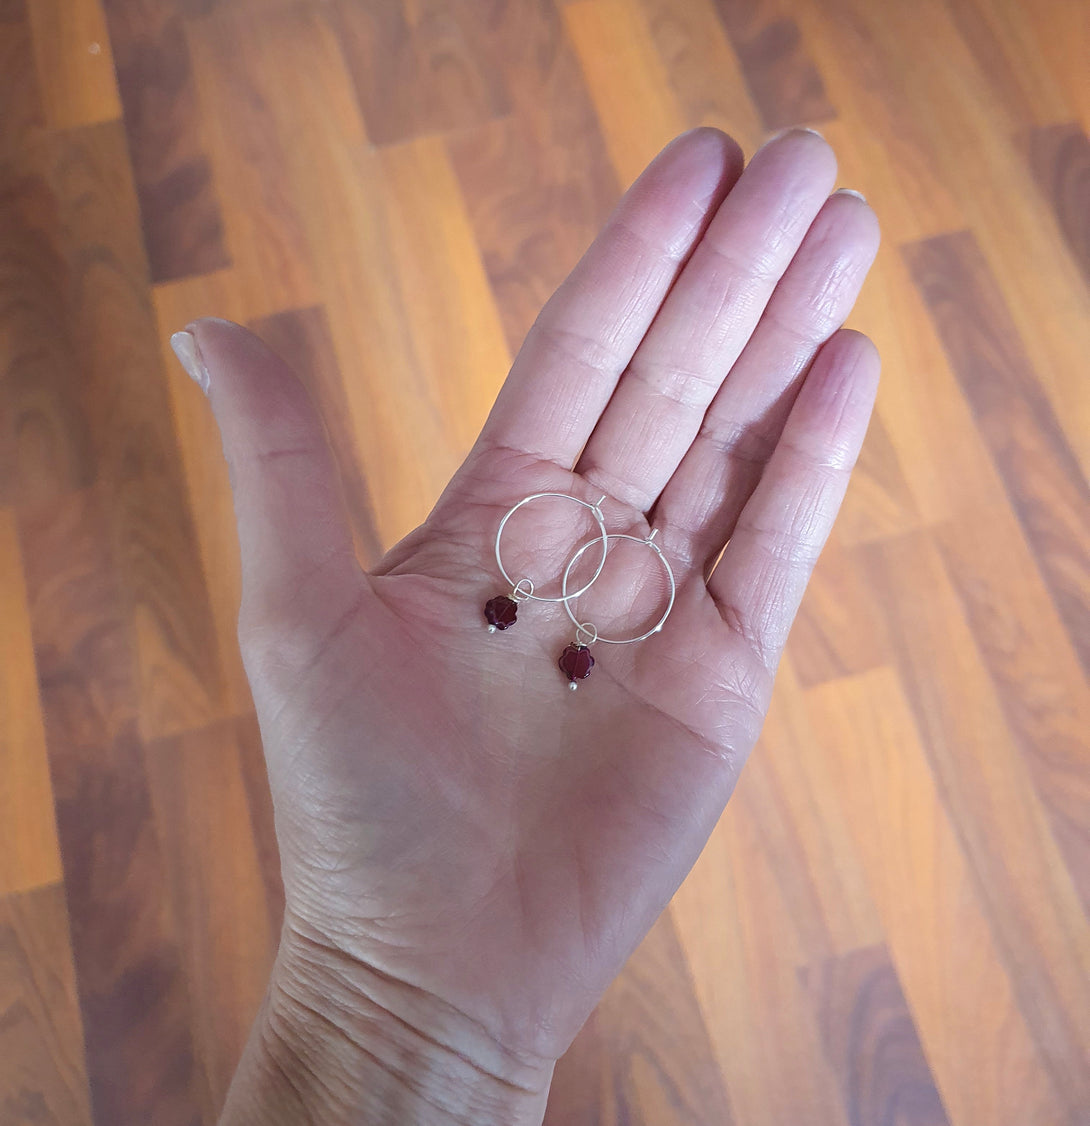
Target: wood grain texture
{"points": [[786, 86], [890, 921], [759, 1020], [647, 1055], [1001, 39], [216, 889], [339, 184], [947, 106], [20, 92], [627, 80], [420, 66], [872, 766], [263, 232], [183, 228], [539, 185], [132, 992], [43, 1078], [45, 442], [921, 410], [1044, 697], [1060, 158], [839, 630], [75, 63], [984, 780], [871, 1040], [1042, 476], [704, 72], [884, 141], [1062, 35], [29, 856], [127, 407]]}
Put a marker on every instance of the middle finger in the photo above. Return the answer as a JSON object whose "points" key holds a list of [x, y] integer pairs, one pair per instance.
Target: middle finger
{"points": [[703, 325]]}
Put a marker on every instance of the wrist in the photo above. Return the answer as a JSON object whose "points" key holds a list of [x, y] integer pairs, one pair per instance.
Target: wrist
{"points": [[341, 1042]]}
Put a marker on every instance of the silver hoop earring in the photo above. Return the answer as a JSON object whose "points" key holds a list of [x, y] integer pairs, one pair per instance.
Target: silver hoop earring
{"points": [[576, 661], [501, 612]]}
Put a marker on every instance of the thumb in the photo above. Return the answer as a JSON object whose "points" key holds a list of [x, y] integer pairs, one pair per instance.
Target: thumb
{"points": [[299, 569]]}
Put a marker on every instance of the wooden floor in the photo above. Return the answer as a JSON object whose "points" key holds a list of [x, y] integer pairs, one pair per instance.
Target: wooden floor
{"points": [[890, 923]]}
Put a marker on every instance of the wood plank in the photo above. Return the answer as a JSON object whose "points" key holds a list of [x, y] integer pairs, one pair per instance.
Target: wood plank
{"points": [[705, 74], [442, 280], [1059, 156], [627, 80], [807, 848], [921, 407], [786, 85], [1044, 696], [759, 1020], [214, 882], [75, 63], [45, 443], [982, 1051], [999, 36], [29, 854], [984, 781], [43, 1077], [964, 152], [264, 234], [183, 228], [405, 447], [650, 1049], [1041, 474], [880, 139], [420, 67], [140, 1058], [127, 405], [301, 337], [871, 1041], [839, 630], [1061, 32], [539, 186], [20, 89]]}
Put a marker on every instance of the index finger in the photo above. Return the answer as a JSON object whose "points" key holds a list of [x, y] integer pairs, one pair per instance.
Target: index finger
{"points": [[589, 329]]}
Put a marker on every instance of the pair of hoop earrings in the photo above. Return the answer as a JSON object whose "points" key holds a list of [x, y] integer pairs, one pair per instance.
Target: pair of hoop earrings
{"points": [[576, 661]]}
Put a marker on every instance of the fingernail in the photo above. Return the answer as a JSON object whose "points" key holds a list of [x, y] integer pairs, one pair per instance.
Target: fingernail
{"points": [[791, 129], [189, 356], [850, 191]]}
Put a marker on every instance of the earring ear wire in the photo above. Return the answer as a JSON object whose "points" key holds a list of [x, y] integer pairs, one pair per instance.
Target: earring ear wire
{"points": [[501, 612], [577, 661]]}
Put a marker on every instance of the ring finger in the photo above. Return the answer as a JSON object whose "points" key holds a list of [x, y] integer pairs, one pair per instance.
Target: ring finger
{"points": [[699, 507], [706, 320]]}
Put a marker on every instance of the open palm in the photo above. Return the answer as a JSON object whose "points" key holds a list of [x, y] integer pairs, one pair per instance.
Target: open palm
{"points": [[481, 847]]}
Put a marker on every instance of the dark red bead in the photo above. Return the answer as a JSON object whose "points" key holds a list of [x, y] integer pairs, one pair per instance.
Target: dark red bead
{"points": [[576, 662], [501, 611]]}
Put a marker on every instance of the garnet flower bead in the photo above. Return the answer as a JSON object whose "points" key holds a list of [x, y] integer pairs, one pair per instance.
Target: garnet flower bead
{"points": [[500, 612], [576, 663]]}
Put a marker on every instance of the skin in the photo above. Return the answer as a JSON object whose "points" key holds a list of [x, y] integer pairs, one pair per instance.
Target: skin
{"points": [[471, 851]]}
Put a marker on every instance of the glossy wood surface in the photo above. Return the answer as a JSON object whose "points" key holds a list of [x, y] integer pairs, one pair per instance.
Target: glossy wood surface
{"points": [[889, 925]]}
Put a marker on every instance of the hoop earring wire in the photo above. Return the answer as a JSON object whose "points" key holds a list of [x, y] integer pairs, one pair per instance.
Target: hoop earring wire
{"points": [[576, 661], [501, 612]]}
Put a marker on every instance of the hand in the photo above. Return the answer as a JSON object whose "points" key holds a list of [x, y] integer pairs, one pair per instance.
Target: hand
{"points": [[471, 851]]}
